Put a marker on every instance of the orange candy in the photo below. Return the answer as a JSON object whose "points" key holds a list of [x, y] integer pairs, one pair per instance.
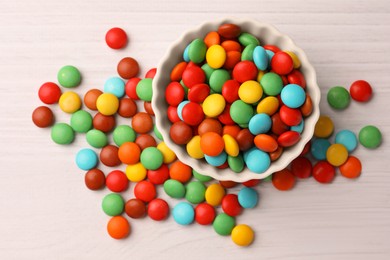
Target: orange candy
{"points": [[212, 38], [231, 46], [118, 227], [351, 168], [129, 153], [180, 172], [307, 107], [276, 154], [283, 180], [266, 143], [231, 130], [178, 70], [232, 58], [212, 144]]}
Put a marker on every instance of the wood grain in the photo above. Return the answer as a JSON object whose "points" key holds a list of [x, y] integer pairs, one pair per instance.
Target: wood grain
{"points": [[47, 213]]}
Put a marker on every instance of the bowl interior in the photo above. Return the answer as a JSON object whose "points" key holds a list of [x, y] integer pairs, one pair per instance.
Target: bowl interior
{"points": [[266, 34]]}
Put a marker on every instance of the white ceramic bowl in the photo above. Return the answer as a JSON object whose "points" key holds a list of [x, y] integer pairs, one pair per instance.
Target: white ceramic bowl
{"points": [[267, 34]]}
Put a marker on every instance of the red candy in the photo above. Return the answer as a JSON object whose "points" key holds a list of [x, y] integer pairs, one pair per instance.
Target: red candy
{"points": [[116, 38], [230, 90], [158, 176], [193, 75], [323, 172], [282, 63], [151, 73], [204, 214], [225, 117], [251, 183], [49, 93], [158, 209], [145, 191], [192, 114], [290, 116], [174, 94], [230, 205], [360, 91], [172, 114], [272, 48], [117, 181], [130, 88], [301, 167], [229, 31], [198, 93], [288, 138], [296, 77], [244, 71]]}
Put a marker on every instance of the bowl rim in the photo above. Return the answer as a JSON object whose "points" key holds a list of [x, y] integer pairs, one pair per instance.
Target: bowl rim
{"points": [[246, 174]]}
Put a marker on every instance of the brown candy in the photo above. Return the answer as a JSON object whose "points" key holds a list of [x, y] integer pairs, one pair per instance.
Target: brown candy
{"points": [[210, 125], [43, 116], [94, 179], [103, 123], [278, 127], [228, 184], [135, 208], [148, 108], [128, 68], [145, 141], [180, 133], [90, 98], [229, 31], [109, 156], [276, 154], [127, 107], [245, 139], [142, 123]]}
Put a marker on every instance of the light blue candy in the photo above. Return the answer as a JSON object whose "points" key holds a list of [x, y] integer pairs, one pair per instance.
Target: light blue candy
{"points": [[270, 55], [298, 128], [183, 213], [347, 138], [216, 160], [248, 197], [256, 160], [260, 58], [186, 56], [180, 108], [86, 159], [116, 86], [319, 147], [293, 95], [260, 124]]}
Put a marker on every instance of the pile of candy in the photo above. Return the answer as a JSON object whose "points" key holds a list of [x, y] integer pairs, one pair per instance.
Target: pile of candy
{"points": [[151, 165], [236, 103]]}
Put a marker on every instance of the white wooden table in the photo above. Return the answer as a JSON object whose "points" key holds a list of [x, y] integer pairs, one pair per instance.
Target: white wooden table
{"points": [[47, 213]]}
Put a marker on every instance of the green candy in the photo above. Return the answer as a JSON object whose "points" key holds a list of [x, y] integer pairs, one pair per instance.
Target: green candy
{"points": [[247, 53], [186, 89], [370, 136], [272, 84], [223, 224], [174, 189], [268, 178], [62, 133], [81, 121], [338, 97], [236, 163], [69, 76], [201, 177], [207, 70], [96, 138], [241, 112], [217, 79], [144, 89], [113, 204], [195, 192], [247, 38], [158, 133], [197, 50], [123, 134], [151, 158]]}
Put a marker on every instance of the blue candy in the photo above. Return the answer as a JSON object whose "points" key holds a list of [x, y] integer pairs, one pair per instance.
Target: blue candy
{"points": [[116, 86], [260, 58], [256, 160], [186, 56], [216, 160], [180, 108], [347, 138], [260, 124], [319, 148], [298, 128], [183, 213], [86, 159], [293, 95], [270, 54], [248, 197]]}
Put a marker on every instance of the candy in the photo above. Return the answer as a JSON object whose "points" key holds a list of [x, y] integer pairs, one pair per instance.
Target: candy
{"points": [[268, 105], [293, 95], [319, 147], [229, 30], [144, 89], [244, 71], [231, 205], [240, 112], [213, 105], [116, 181], [103, 123], [214, 194], [69, 76], [338, 97], [336, 154], [351, 168], [260, 58], [148, 108], [195, 192], [266, 143], [193, 75], [109, 156], [193, 148], [49, 93], [183, 213], [145, 140], [217, 79], [230, 90], [180, 133], [142, 123], [131, 88], [174, 189], [218, 160], [145, 191], [236, 163], [216, 56], [107, 104], [168, 155], [116, 38], [69, 102], [158, 209], [128, 68], [197, 51], [180, 172], [250, 91], [96, 138], [260, 124], [301, 167], [324, 127], [86, 159], [257, 161], [370, 136], [198, 93], [288, 138], [272, 84], [242, 235], [282, 63], [246, 38], [118, 227], [223, 224], [135, 208], [158, 176], [192, 113], [211, 39], [81, 121], [201, 177], [283, 180], [62, 133], [136, 172], [94, 179], [248, 197], [123, 134], [323, 172], [113, 204], [42, 116], [231, 145], [204, 214], [347, 138], [360, 91], [290, 116]]}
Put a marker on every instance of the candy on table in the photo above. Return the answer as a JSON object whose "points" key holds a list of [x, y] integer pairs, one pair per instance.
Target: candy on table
{"points": [[118, 227], [360, 91], [338, 97], [116, 38]]}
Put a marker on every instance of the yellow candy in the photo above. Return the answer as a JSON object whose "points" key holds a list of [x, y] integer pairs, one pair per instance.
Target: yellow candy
{"points": [[214, 194], [216, 56], [260, 75], [136, 172], [168, 155], [294, 57], [193, 148], [70, 102], [250, 91], [337, 154], [231, 145], [107, 104], [242, 235], [268, 105], [213, 105], [324, 127]]}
